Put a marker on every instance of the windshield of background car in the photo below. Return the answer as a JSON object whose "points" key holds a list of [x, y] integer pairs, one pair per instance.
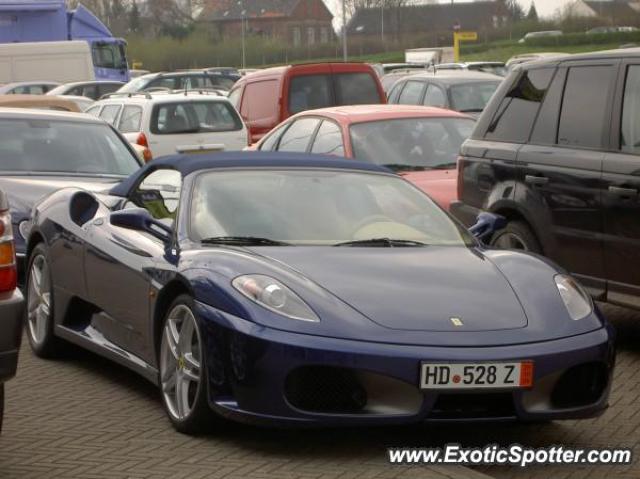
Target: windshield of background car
{"points": [[194, 117], [136, 85], [38, 145], [309, 92], [472, 97], [108, 55], [414, 143], [317, 207]]}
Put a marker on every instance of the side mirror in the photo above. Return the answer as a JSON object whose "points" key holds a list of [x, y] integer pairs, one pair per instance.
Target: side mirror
{"points": [[140, 219], [486, 225]]}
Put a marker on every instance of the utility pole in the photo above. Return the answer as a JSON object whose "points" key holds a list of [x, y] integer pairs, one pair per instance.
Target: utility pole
{"points": [[382, 21], [344, 31]]}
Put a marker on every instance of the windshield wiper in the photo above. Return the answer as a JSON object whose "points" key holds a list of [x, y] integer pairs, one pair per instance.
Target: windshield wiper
{"points": [[243, 241], [401, 167], [382, 242]]}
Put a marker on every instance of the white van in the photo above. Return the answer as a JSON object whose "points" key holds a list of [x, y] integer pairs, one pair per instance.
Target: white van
{"points": [[61, 62]]}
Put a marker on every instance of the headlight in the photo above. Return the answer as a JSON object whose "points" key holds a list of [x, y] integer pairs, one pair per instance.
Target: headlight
{"points": [[275, 296], [25, 229], [577, 301]]}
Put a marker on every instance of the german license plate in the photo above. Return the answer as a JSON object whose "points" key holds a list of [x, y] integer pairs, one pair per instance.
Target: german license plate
{"points": [[476, 375]]}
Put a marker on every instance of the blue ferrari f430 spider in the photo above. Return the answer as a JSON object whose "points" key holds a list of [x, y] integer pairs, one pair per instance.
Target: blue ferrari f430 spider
{"points": [[294, 289]]}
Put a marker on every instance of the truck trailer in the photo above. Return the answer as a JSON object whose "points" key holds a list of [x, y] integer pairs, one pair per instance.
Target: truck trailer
{"points": [[31, 21]]}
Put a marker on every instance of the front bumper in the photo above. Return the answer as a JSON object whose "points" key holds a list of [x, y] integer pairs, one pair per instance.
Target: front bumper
{"points": [[11, 315], [250, 370]]}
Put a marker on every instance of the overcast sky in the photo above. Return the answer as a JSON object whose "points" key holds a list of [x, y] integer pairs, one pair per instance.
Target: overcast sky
{"points": [[544, 7]]}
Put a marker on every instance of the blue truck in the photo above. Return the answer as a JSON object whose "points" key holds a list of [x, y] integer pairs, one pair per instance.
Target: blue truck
{"points": [[51, 20]]}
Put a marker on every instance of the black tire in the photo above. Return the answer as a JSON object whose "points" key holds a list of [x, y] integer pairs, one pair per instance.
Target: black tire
{"points": [[49, 346], [201, 417], [516, 235]]}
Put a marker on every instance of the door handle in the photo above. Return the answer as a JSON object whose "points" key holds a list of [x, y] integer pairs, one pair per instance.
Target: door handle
{"points": [[616, 190], [536, 180]]}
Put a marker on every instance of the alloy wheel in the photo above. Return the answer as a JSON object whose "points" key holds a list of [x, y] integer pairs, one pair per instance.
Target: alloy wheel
{"points": [[38, 300], [180, 362]]}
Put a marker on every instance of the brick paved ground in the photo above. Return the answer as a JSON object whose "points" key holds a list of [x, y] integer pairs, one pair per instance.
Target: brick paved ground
{"points": [[83, 417]]}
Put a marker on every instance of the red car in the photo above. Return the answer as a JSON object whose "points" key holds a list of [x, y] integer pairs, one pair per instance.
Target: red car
{"points": [[421, 143], [269, 96]]}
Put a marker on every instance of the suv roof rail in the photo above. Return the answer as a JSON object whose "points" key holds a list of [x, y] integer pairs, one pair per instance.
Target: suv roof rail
{"points": [[126, 95], [200, 91]]}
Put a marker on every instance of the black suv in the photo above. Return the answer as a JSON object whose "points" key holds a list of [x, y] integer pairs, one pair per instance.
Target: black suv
{"points": [[557, 152]]}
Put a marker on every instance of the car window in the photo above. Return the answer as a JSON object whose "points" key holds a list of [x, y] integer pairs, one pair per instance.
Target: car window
{"points": [[309, 92], [356, 89], [90, 91], [586, 87], [545, 131], [194, 117], [109, 113], [435, 96], [472, 97], [411, 93], [260, 100], [395, 92], [130, 119], [234, 97], [170, 83], [106, 88], [517, 111], [298, 135], [328, 140], [220, 82], [630, 130], [159, 194], [94, 110], [270, 142]]}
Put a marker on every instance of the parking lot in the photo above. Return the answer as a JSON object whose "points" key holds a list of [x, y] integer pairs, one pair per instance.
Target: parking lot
{"points": [[83, 417]]}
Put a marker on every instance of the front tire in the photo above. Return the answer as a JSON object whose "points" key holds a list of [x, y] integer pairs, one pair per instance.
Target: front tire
{"points": [[40, 310], [182, 369], [516, 235]]}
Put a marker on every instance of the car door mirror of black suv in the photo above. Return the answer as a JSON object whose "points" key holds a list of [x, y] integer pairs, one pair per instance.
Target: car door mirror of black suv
{"points": [[486, 225]]}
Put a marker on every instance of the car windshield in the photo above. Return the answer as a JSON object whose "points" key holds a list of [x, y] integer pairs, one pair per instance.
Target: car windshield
{"points": [[109, 55], [54, 146], [317, 207], [472, 97], [194, 117], [411, 143], [135, 85]]}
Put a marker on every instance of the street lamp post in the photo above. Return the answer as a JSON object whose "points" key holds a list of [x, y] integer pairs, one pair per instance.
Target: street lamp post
{"points": [[382, 21], [243, 14]]}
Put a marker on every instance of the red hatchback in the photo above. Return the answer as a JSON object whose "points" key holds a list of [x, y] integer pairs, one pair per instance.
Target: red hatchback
{"points": [[267, 97], [420, 143]]}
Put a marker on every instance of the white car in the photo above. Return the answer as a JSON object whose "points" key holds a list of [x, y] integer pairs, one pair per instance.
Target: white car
{"points": [[178, 122]]}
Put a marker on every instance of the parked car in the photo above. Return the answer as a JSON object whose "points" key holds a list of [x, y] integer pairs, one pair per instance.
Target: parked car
{"points": [[11, 303], [530, 57], [419, 142], [184, 122], [42, 151], [309, 290], [495, 68], [557, 153], [27, 88], [92, 89], [185, 80], [270, 96], [542, 34], [39, 102], [466, 92], [601, 30], [390, 79]]}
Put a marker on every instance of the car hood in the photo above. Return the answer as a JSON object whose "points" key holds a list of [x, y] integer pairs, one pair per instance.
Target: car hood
{"points": [[440, 185], [26, 191], [416, 289]]}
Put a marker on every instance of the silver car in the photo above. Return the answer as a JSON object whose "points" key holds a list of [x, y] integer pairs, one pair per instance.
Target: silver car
{"points": [[11, 303]]}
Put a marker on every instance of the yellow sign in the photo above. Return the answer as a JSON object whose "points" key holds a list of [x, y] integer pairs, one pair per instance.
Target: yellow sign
{"points": [[462, 37]]}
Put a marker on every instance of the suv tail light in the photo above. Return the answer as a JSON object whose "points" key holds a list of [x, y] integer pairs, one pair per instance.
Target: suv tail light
{"points": [[460, 179], [8, 270]]}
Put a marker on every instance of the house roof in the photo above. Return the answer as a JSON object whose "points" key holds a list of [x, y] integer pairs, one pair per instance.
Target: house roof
{"points": [[434, 17], [221, 10], [609, 8]]}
